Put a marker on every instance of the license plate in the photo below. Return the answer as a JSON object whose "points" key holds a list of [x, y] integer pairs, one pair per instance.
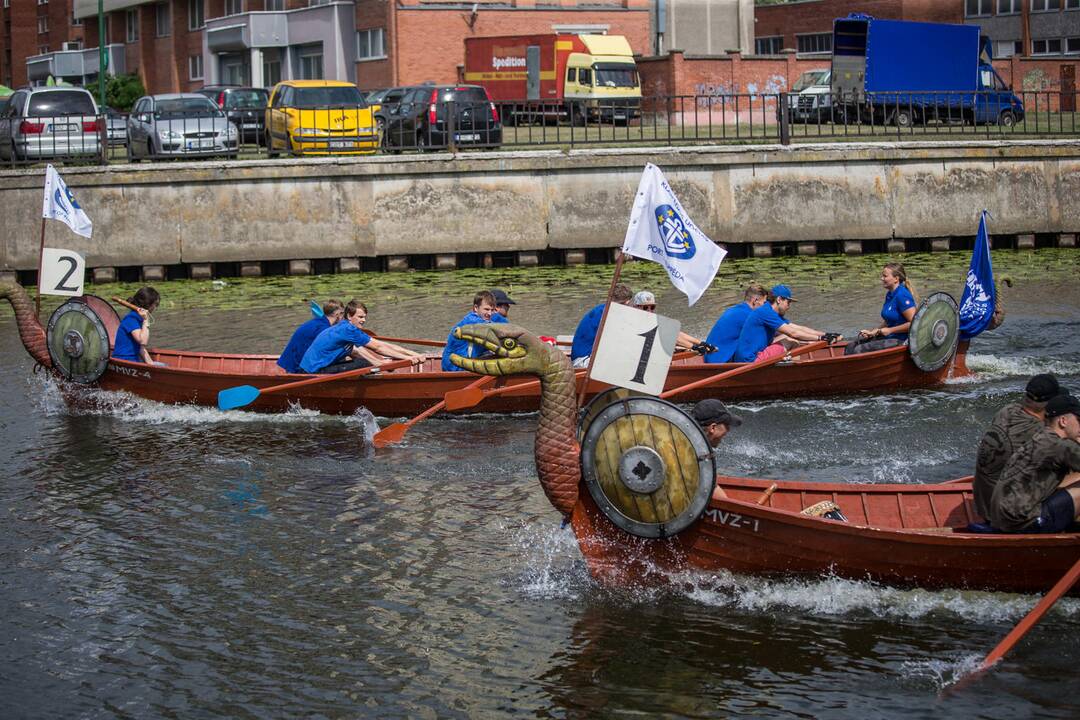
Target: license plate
{"points": [[200, 144], [467, 137], [342, 144], [62, 128], [250, 126]]}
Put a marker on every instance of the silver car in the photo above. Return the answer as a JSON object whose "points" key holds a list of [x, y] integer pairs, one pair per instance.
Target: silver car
{"points": [[50, 122], [179, 125]]}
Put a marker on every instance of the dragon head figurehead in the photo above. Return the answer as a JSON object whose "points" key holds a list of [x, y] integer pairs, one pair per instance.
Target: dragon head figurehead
{"points": [[31, 332], [510, 350]]}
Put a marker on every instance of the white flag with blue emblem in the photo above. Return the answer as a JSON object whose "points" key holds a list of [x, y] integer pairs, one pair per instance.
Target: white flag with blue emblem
{"points": [[60, 205], [660, 230]]}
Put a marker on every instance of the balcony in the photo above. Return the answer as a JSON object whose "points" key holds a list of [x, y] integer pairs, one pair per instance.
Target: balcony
{"points": [[74, 65], [329, 24]]}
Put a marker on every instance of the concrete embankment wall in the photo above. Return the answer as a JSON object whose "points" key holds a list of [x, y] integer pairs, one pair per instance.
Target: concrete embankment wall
{"points": [[764, 198]]}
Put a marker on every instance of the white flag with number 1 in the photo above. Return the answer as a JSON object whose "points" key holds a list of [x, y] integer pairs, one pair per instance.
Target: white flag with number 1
{"points": [[660, 230], [60, 205]]}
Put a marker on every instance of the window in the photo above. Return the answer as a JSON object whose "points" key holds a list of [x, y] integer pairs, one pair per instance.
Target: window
{"points": [[369, 44], [43, 24], [571, 75], [584, 76], [313, 3], [1046, 47], [816, 43], [1045, 5], [1006, 49], [274, 5], [1072, 4], [234, 7], [164, 22], [769, 45], [132, 18], [311, 65], [1072, 45], [1008, 7], [194, 65], [42, 2], [43, 49], [196, 18], [977, 8], [75, 21]]}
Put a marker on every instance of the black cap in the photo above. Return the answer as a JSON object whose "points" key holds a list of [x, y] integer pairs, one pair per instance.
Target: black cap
{"points": [[501, 298], [712, 411], [1042, 387], [1062, 404]]}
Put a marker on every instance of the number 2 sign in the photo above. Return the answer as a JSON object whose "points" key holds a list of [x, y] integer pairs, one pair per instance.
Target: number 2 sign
{"points": [[635, 349], [62, 272]]}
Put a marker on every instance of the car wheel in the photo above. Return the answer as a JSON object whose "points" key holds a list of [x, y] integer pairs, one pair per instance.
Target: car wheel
{"points": [[1007, 119], [903, 118], [271, 152], [421, 142]]}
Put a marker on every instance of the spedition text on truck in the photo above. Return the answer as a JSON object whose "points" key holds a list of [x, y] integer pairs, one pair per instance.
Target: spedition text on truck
{"points": [[906, 73], [578, 78]]}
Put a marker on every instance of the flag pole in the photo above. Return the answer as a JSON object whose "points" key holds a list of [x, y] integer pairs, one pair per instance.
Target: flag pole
{"points": [[40, 257], [619, 257]]}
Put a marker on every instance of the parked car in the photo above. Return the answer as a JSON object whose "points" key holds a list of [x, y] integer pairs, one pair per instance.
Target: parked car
{"points": [[115, 126], [430, 116], [179, 125], [50, 122], [319, 117], [244, 106]]}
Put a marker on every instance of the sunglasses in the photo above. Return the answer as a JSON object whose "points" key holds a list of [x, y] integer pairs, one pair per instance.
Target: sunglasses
{"points": [[647, 307]]}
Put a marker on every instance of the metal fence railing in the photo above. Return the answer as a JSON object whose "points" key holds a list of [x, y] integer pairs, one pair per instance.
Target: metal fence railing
{"points": [[666, 120]]}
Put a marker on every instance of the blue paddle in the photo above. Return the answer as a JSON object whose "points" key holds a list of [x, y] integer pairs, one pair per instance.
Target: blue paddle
{"points": [[316, 309], [241, 395]]}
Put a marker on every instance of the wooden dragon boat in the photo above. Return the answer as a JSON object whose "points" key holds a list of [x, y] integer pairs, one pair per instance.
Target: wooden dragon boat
{"points": [[80, 334], [636, 478]]}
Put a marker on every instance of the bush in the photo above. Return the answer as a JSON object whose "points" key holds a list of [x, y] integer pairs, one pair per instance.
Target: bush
{"points": [[121, 91]]}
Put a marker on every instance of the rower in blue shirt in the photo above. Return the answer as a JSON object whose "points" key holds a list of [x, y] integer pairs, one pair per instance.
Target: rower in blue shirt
{"points": [[502, 306], [133, 335], [767, 333], [482, 311], [724, 335], [897, 312], [585, 334], [301, 339], [345, 346]]}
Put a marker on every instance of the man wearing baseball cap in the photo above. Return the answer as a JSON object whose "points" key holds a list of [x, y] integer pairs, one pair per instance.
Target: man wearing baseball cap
{"points": [[1012, 426], [758, 339], [1039, 488], [502, 306], [715, 419]]}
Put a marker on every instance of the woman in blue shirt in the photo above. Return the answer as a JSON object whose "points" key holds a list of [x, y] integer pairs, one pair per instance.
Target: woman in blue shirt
{"points": [[897, 312], [133, 335]]}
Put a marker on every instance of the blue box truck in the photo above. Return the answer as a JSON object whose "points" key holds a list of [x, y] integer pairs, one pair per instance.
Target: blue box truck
{"points": [[905, 73]]}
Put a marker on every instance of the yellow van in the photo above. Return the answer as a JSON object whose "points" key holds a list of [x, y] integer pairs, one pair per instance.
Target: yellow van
{"points": [[319, 117]]}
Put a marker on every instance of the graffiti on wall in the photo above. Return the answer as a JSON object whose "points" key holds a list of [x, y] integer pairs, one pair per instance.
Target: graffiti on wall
{"points": [[1037, 79], [711, 95]]}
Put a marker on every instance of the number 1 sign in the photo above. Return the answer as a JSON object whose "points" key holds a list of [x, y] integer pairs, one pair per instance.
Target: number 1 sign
{"points": [[62, 272], [635, 349]]}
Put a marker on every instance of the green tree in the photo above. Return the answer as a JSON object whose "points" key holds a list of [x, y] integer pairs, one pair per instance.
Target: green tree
{"points": [[121, 91]]}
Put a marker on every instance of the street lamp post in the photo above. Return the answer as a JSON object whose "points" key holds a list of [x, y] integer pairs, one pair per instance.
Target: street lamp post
{"points": [[101, 51]]}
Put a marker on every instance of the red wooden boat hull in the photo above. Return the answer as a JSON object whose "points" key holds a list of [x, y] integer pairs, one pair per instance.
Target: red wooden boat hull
{"points": [[196, 378], [904, 535]]}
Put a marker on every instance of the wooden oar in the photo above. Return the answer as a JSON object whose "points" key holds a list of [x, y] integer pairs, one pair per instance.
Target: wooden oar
{"points": [[1033, 617], [241, 395], [394, 433], [126, 304], [468, 397], [748, 367]]}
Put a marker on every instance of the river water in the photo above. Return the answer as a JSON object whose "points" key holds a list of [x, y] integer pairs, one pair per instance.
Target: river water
{"points": [[174, 562]]}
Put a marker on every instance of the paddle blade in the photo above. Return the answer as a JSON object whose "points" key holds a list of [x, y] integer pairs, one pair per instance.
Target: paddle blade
{"points": [[316, 309], [390, 435], [466, 397], [235, 397]]}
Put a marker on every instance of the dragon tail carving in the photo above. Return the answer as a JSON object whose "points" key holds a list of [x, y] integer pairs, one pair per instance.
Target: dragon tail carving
{"points": [[31, 332]]}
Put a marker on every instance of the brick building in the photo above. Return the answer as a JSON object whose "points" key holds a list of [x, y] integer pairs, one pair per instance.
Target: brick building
{"points": [[29, 28]]}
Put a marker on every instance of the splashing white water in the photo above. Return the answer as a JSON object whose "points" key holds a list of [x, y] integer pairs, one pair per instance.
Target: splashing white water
{"points": [[992, 367], [551, 565]]}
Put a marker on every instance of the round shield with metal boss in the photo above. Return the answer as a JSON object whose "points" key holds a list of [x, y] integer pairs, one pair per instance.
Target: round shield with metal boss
{"points": [[601, 401], [934, 333], [647, 465], [78, 342]]}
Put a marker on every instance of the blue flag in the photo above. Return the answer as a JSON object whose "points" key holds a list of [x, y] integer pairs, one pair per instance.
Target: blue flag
{"points": [[979, 298]]}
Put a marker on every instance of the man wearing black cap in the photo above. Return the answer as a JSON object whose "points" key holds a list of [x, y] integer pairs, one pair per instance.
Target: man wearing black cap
{"points": [[1038, 491], [502, 306], [715, 419], [1013, 425]]}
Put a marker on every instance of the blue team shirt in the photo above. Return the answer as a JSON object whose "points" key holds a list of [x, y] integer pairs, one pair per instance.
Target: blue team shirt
{"points": [[892, 311], [758, 332], [125, 347], [585, 334], [498, 317], [332, 343], [299, 343], [464, 348], [725, 333]]}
